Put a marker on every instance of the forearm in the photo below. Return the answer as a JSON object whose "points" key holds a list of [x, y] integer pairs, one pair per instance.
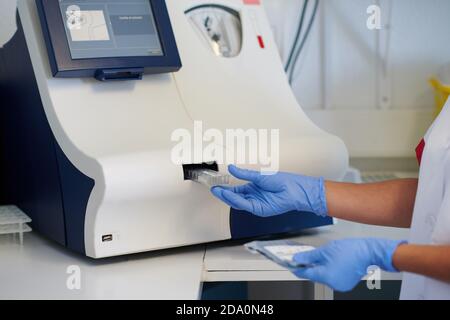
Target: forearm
{"points": [[430, 261], [386, 203]]}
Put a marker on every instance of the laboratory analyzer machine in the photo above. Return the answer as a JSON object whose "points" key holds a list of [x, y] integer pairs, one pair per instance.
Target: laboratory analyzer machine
{"points": [[95, 90]]}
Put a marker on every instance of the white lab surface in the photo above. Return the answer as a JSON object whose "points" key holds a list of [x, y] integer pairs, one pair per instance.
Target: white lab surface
{"points": [[233, 262], [42, 269], [39, 268], [431, 223]]}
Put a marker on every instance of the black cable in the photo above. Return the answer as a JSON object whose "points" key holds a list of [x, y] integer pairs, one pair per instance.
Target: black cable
{"points": [[297, 35], [305, 38]]}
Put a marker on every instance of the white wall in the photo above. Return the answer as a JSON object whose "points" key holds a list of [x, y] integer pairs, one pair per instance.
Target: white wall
{"points": [[340, 82], [419, 46]]}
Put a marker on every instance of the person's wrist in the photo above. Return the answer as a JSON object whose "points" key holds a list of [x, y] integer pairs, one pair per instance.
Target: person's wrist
{"points": [[320, 206], [314, 190], [322, 201], [386, 259]]}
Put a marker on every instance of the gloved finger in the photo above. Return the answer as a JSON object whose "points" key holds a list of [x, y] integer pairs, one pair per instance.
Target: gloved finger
{"points": [[236, 201], [244, 189], [309, 258], [314, 274], [243, 174], [218, 193]]}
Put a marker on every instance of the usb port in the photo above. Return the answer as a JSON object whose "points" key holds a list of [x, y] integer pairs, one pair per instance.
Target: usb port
{"points": [[107, 238]]}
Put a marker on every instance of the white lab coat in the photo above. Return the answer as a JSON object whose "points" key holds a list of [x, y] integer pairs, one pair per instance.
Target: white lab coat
{"points": [[431, 220]]}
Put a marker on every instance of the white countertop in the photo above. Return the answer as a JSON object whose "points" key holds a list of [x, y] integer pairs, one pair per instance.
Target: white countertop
{"points": [[232, 262], [38, 269]]}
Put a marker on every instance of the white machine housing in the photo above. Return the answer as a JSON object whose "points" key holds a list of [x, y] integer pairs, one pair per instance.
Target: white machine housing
{"points": [[119, 133]]}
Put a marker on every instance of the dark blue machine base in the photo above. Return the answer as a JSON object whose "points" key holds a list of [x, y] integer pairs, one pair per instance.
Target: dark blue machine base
{"points": [[36, 174], [245, 225]]}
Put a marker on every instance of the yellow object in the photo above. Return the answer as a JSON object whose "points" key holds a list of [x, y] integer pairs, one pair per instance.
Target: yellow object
{"points": [[441, 92]]}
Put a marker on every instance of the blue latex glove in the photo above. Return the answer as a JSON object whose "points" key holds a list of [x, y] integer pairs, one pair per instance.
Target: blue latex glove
{"points": [[270, 195], [342, 264]]}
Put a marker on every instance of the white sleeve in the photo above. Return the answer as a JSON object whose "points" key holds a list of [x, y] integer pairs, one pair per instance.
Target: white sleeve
{"points": [[441, 233]]}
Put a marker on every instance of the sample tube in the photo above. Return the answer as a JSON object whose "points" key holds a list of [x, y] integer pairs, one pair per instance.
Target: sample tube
{"points": [[209, 178]]}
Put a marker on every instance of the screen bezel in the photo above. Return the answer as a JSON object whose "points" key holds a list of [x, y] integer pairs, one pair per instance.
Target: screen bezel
{"points": [[60, 56]]}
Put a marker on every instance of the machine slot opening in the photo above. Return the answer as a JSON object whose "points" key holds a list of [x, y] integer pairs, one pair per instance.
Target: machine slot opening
{"points": [[206, 174], [189, 168]]}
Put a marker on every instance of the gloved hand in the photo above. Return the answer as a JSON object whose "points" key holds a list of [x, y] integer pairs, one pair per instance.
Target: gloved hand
{"points": [[270, 195], [342, 264]]}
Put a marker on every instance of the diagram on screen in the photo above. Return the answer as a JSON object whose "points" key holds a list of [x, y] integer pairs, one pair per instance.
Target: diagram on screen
{"points": [[87, 25]]}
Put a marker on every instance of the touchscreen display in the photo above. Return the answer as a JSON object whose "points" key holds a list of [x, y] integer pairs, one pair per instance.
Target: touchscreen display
{"points": [[110, 28]]}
